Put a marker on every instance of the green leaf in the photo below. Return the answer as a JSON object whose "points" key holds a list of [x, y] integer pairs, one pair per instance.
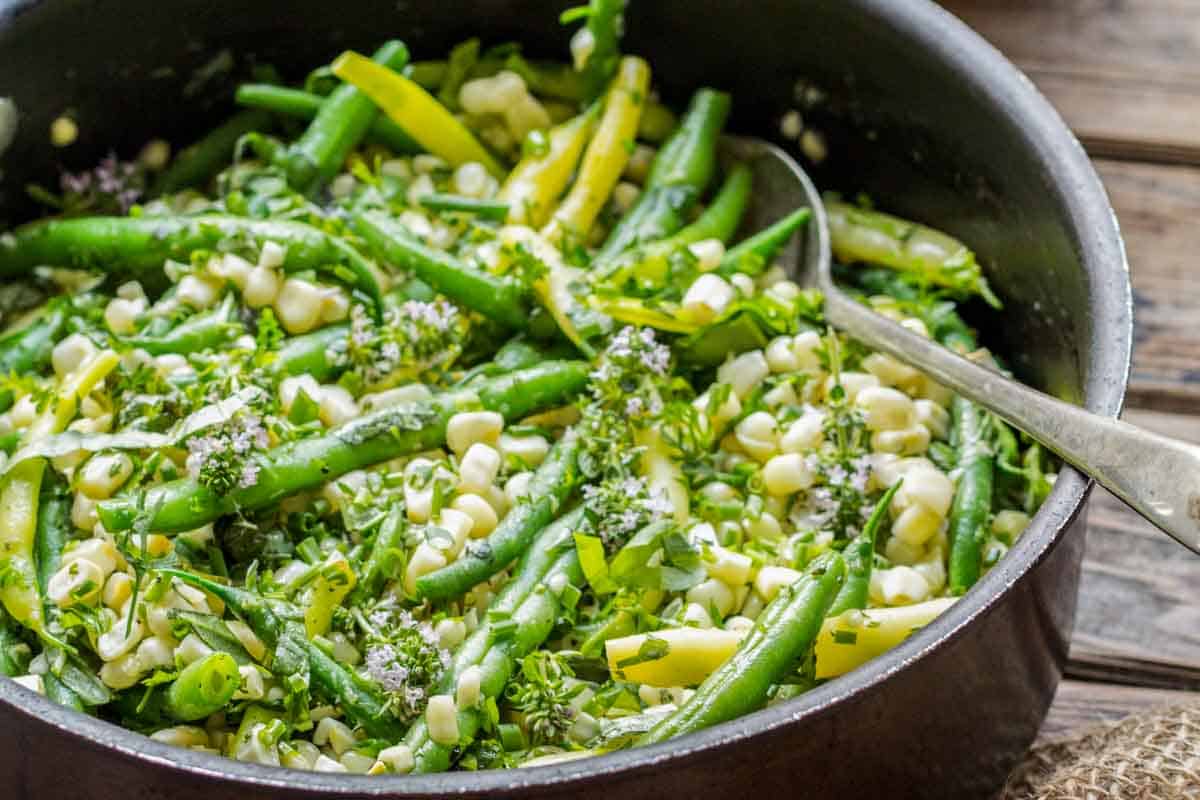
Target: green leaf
{"points": [[651, 650], [591, 559]]}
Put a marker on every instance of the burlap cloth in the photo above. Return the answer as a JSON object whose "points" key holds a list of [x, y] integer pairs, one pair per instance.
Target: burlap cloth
{"points": [[1155, 755]]}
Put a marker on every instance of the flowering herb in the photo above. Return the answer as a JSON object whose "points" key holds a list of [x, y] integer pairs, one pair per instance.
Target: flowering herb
{"points": [[404, 657], [543, 693], [222, 459], [415, 338]]}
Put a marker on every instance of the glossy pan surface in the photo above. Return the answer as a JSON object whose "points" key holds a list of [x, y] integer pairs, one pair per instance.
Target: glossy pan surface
{"points": [[918, 111]]}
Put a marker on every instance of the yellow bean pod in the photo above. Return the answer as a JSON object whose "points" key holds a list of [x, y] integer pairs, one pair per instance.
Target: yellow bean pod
{"points": [[538, 181]]}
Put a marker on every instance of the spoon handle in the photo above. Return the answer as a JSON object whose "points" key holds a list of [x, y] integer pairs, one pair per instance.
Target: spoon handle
{"points": [[1156, 476]]}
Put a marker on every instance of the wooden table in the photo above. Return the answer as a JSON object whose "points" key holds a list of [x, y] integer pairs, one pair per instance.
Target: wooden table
{"points": [[1126, 77]]}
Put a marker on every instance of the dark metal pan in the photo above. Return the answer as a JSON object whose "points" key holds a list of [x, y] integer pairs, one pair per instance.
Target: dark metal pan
{"points": [[920, 112]]}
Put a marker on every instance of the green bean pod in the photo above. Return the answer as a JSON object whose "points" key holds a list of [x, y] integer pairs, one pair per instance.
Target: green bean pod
{"points": [[309, 353], [198, 163], [751, 256], [137, 247], [552, 484], [860, 559], [782, 635], [28, 349], [386, 555], [972, 504], [681, 171], [500, 299], [205, 331], [337, 129], [202, 688], [53, 531], [305, 105], [184, 504]]}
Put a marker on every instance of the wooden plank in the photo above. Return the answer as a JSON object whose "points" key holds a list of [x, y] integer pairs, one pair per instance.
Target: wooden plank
{"points": [[1079, 705], [1125, 75], [1158, 207]]}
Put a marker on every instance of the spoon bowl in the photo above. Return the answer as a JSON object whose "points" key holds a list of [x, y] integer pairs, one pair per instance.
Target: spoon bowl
{"points": [[1156, 476]]}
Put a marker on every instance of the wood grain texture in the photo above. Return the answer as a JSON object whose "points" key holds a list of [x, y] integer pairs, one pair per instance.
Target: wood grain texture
{"points": [[1079, 705], [1125, 74]]}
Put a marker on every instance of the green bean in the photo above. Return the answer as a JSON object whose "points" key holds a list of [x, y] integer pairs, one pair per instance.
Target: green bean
{"points": [[385, 560], [361, 702], [458, 68], [484, 209], [184, 504], [862, 235], [137, 247], [14, 653], [205, 331], [28, 349], [783, 634], [681, 171], [860, 559], [533, 620], [604, 24], [309, 354], [649, 264], [552, 484], [337, 129], [500, 299], [972, 496], [750, 257], [53, 530], [202, 688], [305, 105], [198, 163]]}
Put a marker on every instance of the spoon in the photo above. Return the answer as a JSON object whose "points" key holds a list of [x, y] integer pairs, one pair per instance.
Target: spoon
{"points": [[1157, 477]]}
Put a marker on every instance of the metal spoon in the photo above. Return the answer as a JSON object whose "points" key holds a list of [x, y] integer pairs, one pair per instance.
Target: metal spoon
{"points": [[1157, 477]]}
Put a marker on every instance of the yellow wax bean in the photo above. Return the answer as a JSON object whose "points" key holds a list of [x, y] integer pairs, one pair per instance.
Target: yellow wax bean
{"points": [[537, 182], [606, 155], [854, 638], [692, 654], [416, 111], [328, 590]]}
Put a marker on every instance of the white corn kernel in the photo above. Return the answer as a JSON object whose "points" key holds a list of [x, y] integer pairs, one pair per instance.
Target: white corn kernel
{"points": [[909, 441], [697, 616], [725, 565], [890, 371], [708, 254], [261, 286], [232, 268], [420, 187], [765, 527], [886, 409], [467, 428], [249, 640], [121, 673], [770, 580], [356, 763], [712, 593], [706, 298], [498, 499], [100, 552], [758, 435], [169, 364], [343, 185], [927, 486], [83, 512], [335, 305], [466, 692], [396, 168], [852, 383], [450, 632], [752, 606], [155, 652], [483, 516], [182, 736], [290, 388], [425, 559], [478, 468], [744, 373], [441, 718], [781, 356], [739, 624], [916, 525], [786, 474], [935, 418], [517, 487], [192, 649], [197, 292], [458, 525], [804, 434], [401, 395], [471, 179], [77, 583], [742, 284], [104, 474], [298, 306], [933, 571], [898, 586], [1009, 524], [398, 758], [529, 450], [729, 409], [427, 164], [325, 764], [272, 255], [69, 354], [337, 406], [117, 590], [899, 551], [121, 314], [23, 412], [334, 733], [121, 638]]}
